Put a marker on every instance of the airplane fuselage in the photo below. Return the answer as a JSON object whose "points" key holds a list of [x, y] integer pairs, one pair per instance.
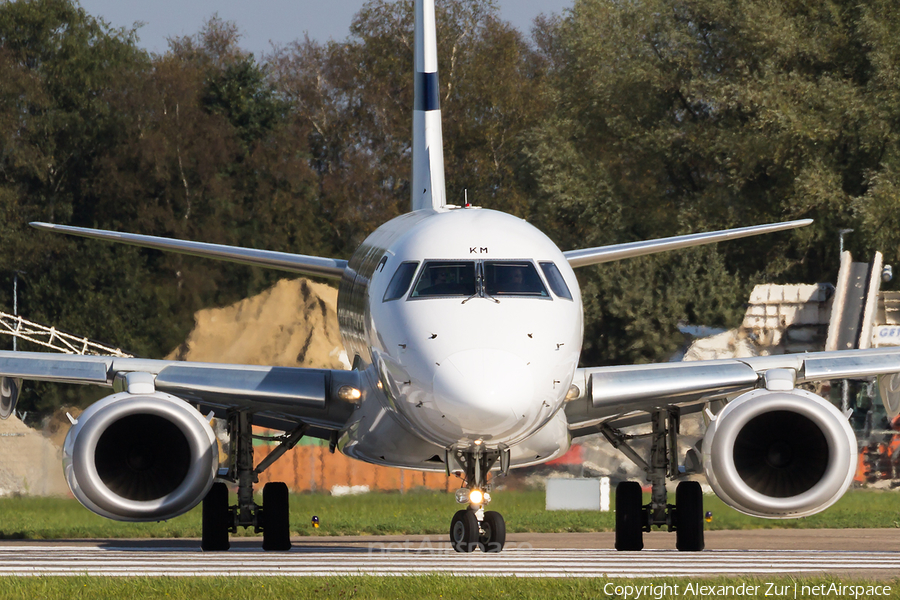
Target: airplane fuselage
{"points": [[468, 325]]}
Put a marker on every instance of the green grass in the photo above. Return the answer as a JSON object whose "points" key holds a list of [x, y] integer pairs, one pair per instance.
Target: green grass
{"points": [[413, 513], [426, 587]]}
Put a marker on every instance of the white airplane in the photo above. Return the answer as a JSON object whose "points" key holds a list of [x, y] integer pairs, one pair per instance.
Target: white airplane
{"points": [[465, 328]]}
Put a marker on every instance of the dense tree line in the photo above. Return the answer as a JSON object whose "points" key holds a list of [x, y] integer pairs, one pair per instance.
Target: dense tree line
{"points": [[613, 122]]}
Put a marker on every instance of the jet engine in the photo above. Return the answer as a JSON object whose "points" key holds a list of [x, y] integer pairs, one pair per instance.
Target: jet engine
{"points": [[140, 457], [779, 454]]}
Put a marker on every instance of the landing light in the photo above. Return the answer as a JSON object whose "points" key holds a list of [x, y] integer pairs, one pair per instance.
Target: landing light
{"points": [[349, 393], [573, 393], [476, 497]]}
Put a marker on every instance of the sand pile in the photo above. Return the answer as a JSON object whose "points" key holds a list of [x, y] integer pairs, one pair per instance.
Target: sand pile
{"points": [[293, 324]]}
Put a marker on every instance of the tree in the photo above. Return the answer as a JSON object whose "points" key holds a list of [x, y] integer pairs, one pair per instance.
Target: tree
{"points": [[689, 115], [96, 133]]}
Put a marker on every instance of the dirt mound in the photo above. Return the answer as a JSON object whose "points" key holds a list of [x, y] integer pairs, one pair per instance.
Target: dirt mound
{"points": [[293, 324], [32, 463]]}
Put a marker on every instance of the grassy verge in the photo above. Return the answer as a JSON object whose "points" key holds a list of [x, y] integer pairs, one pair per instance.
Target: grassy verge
{"points": [[437, 587], [413, 513]]}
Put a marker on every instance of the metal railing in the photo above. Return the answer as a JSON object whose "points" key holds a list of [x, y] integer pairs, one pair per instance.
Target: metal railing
{"points": [[50, 337]]}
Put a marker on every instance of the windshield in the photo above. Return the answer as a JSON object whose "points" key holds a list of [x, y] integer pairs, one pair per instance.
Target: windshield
{"points": [[511, 278], [400, 281], [445, 279], [556, 281]]}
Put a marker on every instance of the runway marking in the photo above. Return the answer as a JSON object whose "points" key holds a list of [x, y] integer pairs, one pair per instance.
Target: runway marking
{"points": [[31, 560]]}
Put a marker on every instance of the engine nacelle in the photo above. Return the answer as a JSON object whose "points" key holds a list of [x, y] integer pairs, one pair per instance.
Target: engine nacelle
{"points": [[140, 457], [779, 454], [10, 389]]}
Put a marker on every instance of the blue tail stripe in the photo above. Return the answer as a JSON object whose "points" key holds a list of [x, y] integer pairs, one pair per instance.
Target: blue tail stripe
{"points": [[427, 92]]}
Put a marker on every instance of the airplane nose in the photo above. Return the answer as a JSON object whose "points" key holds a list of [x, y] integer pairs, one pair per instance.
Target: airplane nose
{"points": [[485, 392]]}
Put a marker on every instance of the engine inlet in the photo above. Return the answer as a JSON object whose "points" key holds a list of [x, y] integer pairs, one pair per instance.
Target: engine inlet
{"points": [[781, 454], [142, 457]]}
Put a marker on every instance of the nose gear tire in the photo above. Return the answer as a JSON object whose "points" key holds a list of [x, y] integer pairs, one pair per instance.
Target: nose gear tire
{"points": [[493, 537], [464, 531]]}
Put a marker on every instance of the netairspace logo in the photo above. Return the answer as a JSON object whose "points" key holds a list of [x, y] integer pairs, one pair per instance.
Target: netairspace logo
{"points": [[773, 590]]}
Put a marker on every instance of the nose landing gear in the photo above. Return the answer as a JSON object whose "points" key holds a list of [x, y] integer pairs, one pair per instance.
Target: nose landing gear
{"points": [[473, 527]]}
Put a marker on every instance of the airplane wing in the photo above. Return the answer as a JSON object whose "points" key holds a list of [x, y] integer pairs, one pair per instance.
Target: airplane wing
{"points": [[279, 397], [603, 254], [626, 394], [295, 263]]}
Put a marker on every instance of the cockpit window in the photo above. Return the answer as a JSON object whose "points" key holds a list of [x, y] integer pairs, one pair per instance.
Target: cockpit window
{"points": [[445, 279], [510, 278], [556, 281], [400, 281]]}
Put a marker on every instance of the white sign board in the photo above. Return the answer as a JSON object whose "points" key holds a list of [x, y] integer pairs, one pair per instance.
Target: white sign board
{"points": [[573, 494]]}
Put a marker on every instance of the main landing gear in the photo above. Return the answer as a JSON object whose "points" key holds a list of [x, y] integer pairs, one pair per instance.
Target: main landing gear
{"points": [[474, 527], [273, 517], [633, 517]]}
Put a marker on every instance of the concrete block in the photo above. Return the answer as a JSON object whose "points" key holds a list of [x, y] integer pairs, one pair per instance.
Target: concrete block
{"points": [[752, 322], [759, 295], [819, 295], [757, 310], [789, 314]]}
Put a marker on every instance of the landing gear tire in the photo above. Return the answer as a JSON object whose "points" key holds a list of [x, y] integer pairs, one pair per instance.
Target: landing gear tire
{"points": [[629, 516], [464, 531], [493, 537], [689, 511], [216, 519], [276, 518]]}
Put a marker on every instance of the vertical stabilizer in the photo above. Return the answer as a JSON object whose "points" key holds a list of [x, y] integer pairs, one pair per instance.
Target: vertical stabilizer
{"points": [[428, 141]]}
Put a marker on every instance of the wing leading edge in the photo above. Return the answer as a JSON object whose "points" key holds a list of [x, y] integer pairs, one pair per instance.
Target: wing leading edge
{"points": [[603, 254], [296, 263], [282, 394]]}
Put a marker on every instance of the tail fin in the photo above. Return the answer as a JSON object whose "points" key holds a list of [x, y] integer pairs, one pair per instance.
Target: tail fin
{"points": [[428, 144]]}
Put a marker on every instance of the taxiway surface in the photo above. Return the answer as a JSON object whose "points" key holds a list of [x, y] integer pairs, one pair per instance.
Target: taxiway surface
{"points": [[858, 553]]}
